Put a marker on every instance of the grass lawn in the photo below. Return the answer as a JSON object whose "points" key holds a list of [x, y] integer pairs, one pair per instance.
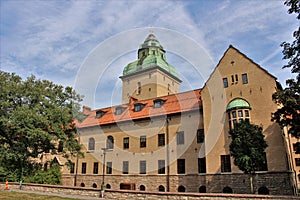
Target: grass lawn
{"points": [[8, 195]]}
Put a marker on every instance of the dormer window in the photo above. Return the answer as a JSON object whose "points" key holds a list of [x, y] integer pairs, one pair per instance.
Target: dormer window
{"points": [[158, 103], [138, 107], [99, 114], [119, 110]]}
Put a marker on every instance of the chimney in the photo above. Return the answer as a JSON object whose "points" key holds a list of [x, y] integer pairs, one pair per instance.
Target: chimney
{"points": [[86, 110]]}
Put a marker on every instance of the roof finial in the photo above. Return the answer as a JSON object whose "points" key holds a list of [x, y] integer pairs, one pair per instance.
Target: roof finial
{"points": [[151, 31]]}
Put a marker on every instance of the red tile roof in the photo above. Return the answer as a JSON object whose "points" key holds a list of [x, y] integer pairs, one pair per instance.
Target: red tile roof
{"points": [[174, 103]]}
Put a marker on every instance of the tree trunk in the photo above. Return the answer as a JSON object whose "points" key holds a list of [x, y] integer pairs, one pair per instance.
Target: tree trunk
{"points": [[251, 183]]}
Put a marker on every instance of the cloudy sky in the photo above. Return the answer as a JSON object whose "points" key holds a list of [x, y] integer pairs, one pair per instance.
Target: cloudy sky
{"points": [[88, 43]]}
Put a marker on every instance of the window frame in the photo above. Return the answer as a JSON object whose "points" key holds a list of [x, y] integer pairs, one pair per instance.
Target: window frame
{"points": [[245, 78], [225, 82], [161, 139], [126, 143], [125, 168], [202, 165], [225, 163], [143, 167], [143, 141], [83, 168], [108, 167], [200, 136], [181, 166], [180, 137], [161, 166], [96, 168]]}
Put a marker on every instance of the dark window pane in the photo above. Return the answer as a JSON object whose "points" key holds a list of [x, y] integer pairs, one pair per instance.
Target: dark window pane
{"points": [[181, 166], [180, 137], [161, 139], [95, 170], [200, 135], [225, 163]]}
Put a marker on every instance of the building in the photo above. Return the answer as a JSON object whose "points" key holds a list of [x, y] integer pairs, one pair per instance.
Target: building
{"points": [[162, 140]]}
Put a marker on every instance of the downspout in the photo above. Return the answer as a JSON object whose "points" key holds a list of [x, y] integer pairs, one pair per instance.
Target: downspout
{"points": [[168, 154]]}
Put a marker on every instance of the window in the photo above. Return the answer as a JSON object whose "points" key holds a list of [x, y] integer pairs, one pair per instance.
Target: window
{"points": [[236, 78], [161, 139], [110, 142], [202, 165], [225, 82], [94, 185], [236, 116], [232, 79], [181, 166], [202, 189], [181, 189], [225, 163], [264, 165], [138, 107], [227, 190], [161, 188], [143, 141], [161, 167], [119, 110], [143, 167], [125, 167], [91, 144], [142, 188], [83, 168], [139, 89], [99, 114], [109, 168], [158, 103], [245, 78], [297, 161], [200, 135], [180, 137], [126, 143], [72, 167], [296, 147], [95, 170], [60, 146]]}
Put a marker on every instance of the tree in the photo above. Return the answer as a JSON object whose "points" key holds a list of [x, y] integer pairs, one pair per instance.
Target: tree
{"points": [[35, 115], [288, 115], [248, 149]]}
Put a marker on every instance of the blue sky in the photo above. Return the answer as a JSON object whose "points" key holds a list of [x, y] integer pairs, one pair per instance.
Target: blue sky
{"points": [[55, 39]]}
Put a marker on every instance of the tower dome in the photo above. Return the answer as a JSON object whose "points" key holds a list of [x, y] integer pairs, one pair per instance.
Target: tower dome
{"points": [[151, 54]]}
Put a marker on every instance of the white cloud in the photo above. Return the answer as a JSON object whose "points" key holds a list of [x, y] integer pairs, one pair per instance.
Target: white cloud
{"points": [[52, 38]]}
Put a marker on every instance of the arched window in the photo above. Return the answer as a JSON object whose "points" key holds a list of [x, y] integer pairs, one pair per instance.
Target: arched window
{"points": [[94, 185], [237, 110], [181, 188], [161, 188], [82, 185], [142, 188], [110, 142], [227, 190], [202, 189], [263, 190], [108, 186], [91, 144]]}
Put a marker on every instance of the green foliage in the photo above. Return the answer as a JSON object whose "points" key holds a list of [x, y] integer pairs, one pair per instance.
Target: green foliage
{"points": [[35, 115], [247, 147], [289, 98], [51, 176]]}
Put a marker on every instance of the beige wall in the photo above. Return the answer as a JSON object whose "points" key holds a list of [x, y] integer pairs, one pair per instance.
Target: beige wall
{"points": [[257, 92], [154, 83]]}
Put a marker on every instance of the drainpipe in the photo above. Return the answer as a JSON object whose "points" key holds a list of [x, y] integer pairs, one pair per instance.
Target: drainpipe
{"points": [[168, 154]]}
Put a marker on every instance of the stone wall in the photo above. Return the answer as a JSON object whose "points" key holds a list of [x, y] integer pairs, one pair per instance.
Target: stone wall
{"points": [[278, 183], [125, 194]]}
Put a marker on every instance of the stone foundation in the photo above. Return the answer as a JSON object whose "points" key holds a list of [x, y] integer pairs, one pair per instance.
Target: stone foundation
{"points": [[276, 183]]}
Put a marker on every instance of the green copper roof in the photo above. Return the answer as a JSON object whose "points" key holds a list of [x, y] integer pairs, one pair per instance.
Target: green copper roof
{"points": [[151, 54], [237, 103]]}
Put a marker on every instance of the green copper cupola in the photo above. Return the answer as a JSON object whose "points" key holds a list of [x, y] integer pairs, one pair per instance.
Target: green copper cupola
{"points": [[151, 55]]}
